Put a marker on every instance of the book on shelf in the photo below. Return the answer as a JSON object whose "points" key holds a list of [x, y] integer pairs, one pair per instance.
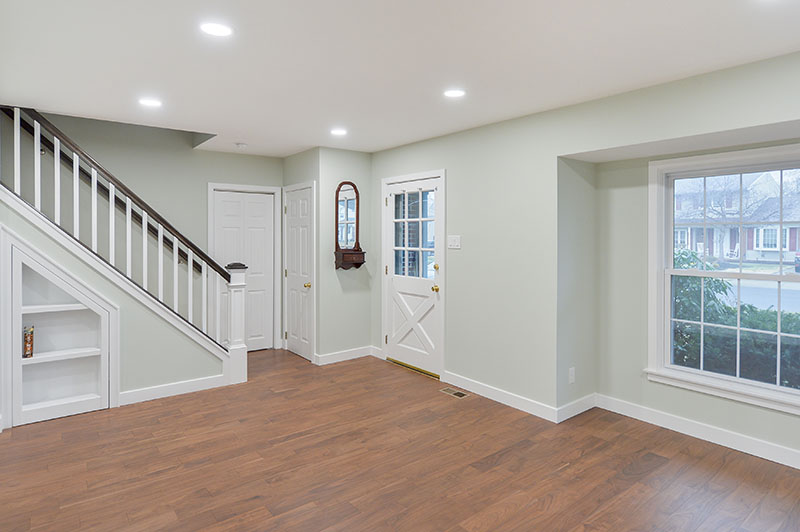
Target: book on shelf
{"points": [[27, 333]]}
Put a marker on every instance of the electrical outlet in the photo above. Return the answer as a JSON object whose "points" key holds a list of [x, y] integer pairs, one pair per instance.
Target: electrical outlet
{"points": [[572, 375]]}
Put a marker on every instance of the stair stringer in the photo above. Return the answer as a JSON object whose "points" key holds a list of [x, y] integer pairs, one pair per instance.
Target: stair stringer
{"points": [[22, 216]]}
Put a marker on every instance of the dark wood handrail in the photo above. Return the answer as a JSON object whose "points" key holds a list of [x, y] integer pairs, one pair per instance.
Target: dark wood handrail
{"points": [[119, 185], [102, 189]]}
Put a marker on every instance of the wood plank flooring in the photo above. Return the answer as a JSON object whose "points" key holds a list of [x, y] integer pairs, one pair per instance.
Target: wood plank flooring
{"points": [[365, 445]]}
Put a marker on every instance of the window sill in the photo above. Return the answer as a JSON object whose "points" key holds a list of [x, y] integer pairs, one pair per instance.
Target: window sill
{"points": [[783, 401]]}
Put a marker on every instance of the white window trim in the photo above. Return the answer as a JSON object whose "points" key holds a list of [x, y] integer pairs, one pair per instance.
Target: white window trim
{"points": [[659, 230], [760, 238], [685, 232]]}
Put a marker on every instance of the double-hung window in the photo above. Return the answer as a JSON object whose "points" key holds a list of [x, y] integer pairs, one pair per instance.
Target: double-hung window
{"points": [[725, 315]]}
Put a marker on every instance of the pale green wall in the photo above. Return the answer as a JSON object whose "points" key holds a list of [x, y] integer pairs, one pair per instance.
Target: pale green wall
{"points": [[301, 167], [48, 196], [576, 339], [152, 351], [344, 295], [514, 305], [502, 287], [500, 318], [163, 168], [621, 310]]}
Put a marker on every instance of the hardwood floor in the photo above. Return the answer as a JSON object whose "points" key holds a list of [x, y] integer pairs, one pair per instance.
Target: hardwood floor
{"points": [[364, 445]]}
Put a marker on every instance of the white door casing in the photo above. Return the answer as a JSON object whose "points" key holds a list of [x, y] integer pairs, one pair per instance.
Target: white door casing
{"points": [[299, 256], [413, 253], [244, 231]]}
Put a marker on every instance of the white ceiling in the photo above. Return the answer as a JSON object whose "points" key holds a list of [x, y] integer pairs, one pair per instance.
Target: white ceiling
{"points": [[295, 69]]}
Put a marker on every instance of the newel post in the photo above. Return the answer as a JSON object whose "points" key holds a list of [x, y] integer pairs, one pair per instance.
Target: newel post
{"points": [[236, 322]]}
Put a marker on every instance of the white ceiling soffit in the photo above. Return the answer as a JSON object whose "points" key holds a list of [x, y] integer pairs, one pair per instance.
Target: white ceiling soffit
{"points": [[291, 71], [781, 132]]}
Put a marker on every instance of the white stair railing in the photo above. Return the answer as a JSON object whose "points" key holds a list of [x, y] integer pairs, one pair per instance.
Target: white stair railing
{"points": [[128, 217]]}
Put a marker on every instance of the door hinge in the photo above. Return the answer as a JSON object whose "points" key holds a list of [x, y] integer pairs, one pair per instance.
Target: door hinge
{"points": [[386, 339], [387, 201], [386, 271], [286, 335], [284, 210], [286, 273]]}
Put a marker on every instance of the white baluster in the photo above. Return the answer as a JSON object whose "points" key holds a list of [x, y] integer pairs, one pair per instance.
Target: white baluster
{"points": [[144, 250], [160, 263], [204, 298], [189, 278], [37, 165], [112, 211], [174, 273], [17, 170], [57, 179], [94, 210], [128, 257], [218, 319], [76, 210]]}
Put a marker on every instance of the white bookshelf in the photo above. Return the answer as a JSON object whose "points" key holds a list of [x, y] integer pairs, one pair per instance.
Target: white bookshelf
{"points": [[58, 307], [68, 372]]}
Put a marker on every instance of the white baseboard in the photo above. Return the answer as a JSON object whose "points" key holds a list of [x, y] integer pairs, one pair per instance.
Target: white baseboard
{"points": [[734, 440], [578, 406], [501, 396], [174, 388], [348, 354], [726, 438]]}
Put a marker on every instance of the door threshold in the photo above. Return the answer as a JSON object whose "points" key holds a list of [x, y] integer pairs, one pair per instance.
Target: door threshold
{"points": [[413, 368]]}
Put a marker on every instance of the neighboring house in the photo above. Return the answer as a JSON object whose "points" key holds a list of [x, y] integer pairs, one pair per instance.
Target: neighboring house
{"points": [[720, 233]]}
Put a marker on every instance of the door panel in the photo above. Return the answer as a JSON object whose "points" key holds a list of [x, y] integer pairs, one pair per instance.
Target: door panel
{"points": [[244, 232], [299, 273], [413, 249]]}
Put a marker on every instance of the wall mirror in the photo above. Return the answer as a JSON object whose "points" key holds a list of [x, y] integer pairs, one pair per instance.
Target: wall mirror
{"points": [[348, 249]]}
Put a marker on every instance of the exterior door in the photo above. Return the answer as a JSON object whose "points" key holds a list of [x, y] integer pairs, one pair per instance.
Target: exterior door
{"points": [[243, 232], [413, 252], [299, 238]]}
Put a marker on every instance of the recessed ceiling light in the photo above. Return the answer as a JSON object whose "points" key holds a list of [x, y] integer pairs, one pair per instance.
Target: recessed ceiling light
{"points": [[150, 102], [455, 93], [216, 29], [339, 131]]}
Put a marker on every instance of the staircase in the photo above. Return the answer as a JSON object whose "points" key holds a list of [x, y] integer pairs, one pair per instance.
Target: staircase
{"points": [[54, 184]]}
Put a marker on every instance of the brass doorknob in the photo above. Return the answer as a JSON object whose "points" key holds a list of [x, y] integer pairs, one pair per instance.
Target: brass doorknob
{"points": [[435, 288], [307, 285]]}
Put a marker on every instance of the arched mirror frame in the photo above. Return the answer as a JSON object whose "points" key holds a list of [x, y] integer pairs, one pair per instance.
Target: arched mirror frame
{"points": [[347, 258]]}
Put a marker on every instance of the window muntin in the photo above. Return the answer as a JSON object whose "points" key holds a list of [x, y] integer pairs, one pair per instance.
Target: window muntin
{"points": [[734, 295], [347, 222], [414, 236]]}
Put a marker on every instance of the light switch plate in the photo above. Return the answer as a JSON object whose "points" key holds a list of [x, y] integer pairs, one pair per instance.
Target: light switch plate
{"points": [[453, 241]]}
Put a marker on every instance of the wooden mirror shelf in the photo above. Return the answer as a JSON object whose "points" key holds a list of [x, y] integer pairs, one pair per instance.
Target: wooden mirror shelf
{"points": [[346, 213]]}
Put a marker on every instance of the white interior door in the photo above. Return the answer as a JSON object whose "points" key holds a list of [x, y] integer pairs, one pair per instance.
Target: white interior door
{"points": [[244, 232], [413, 251], [299, 238]]}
